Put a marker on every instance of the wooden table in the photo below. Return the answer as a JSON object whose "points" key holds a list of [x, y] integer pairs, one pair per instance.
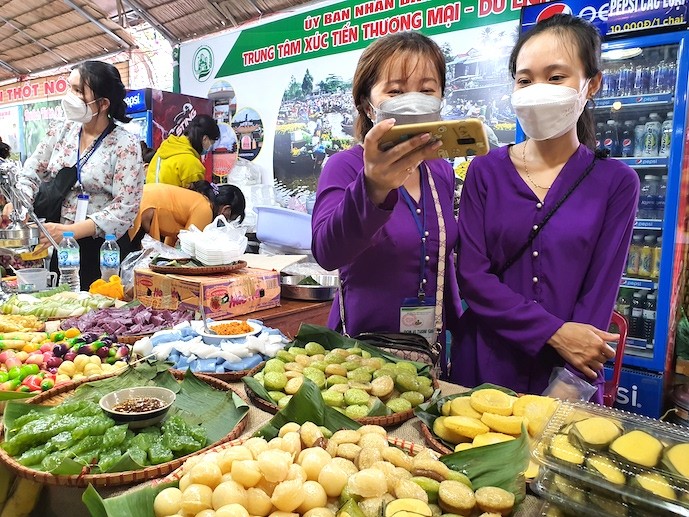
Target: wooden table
{"points": [[290, 314]]}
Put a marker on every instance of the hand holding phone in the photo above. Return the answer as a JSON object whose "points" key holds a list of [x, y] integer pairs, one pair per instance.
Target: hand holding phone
{"points": [[466, 137]]}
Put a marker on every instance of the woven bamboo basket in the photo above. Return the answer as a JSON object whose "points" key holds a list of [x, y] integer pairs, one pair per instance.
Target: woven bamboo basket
{"points": [[58, 394], [383, 421], [410, 447], [432, 440], [233, 376]]}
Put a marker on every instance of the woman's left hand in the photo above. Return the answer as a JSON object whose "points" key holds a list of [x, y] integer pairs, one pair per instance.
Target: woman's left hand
{"points": [[55, 230]]}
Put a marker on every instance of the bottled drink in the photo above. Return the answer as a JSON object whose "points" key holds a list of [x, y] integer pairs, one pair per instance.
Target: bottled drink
{"points": [[656, 257], [652, 136], [646, 262], [611, 139], [666, 136], [649, 319], [624, 303], [660, 198], [641, 79], [634, 257], [625, 81], [660, 76], [109, 258], [639, 137], [671, 77], [627, 140], [648, 197], [600, 130], [636, 323], [68, 262], [653, 80], [610, 80]]}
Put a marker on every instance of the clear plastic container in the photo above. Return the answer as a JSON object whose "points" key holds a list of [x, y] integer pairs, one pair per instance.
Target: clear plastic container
{"points": [[574, 499], [629, 473]]}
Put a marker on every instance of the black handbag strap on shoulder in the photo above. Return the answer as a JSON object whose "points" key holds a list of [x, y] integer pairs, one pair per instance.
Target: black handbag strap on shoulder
{"points": [[538, 228]]}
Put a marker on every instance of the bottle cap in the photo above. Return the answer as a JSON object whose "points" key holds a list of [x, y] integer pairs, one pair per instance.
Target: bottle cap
{"points": [[650, 297], [649, 239], [611, 122], [110, 237], [638, 238], [669, 114], [67, 234], [650, 177]]}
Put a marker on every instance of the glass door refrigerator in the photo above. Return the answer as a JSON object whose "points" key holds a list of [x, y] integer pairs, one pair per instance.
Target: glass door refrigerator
{"points": [[641, 113]]}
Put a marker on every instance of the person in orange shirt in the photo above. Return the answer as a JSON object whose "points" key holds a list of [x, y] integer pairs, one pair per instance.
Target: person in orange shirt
{"points": [[166, 209]]}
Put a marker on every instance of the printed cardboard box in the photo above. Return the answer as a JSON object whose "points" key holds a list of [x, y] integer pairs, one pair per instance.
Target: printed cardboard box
{"points": [[223, 296]]}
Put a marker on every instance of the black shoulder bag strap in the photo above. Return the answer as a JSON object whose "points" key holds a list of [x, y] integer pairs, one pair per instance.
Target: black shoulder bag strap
{"points": [[537, 229]]}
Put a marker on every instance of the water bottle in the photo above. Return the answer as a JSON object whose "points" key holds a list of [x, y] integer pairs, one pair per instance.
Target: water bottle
{"points": [[636, 323], [648, 197], [611, 140], [652, 136], [660, 198], [600, 131], [634, 257], [671, 77], [624, 303], [666, 136], [656, 257], [639, 136], [109, 258], [627, 140], [659, 86], [646, 263], [649, 319], [68, 260]]}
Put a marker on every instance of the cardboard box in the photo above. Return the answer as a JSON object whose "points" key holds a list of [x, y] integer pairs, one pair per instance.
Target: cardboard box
{"points": [[223, 296]]}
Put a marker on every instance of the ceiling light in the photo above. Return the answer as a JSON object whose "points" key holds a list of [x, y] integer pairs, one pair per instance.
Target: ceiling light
{"points": [[621, 53]]}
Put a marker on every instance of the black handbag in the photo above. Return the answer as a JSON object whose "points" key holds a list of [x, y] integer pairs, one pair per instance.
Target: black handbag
{"points": [[51, 194], [412, 347]]}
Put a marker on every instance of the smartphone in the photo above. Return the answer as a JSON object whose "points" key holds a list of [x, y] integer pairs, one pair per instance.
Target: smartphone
{"points": [[465, 137]]}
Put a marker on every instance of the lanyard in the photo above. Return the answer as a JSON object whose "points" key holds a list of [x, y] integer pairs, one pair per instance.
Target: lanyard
{"points": [[90, 151], [421, 227]]}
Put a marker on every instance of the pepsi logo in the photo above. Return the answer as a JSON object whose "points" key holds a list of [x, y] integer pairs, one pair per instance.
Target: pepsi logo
{"points": [[552, 10]]}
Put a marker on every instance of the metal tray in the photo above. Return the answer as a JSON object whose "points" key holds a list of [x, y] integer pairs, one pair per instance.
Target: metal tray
{"points": [[325, 291]]}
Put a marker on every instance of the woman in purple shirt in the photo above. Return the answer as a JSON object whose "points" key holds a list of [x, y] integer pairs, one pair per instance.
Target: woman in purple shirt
{"points": [[375, 218], [549, 305]]}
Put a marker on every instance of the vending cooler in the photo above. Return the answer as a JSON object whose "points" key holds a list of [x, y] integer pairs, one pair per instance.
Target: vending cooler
{"points": [[641, 114], [156, 114]]}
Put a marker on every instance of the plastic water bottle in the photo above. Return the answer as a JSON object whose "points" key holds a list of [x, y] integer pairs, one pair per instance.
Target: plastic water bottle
{"points": [[627, 141], [649, 319], [652, 137], [666, 136], [109, 258], [660, 198], [610, 139], [639, 137], [648, 197], [636, 324], [68, 259]]}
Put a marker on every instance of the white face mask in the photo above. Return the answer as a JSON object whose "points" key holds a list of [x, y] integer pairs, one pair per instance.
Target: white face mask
{"points": [[76, 109], [548, 111], [409, 108]]}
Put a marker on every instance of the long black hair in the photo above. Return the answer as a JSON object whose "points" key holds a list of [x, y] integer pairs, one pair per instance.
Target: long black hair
{"points": [[5, 150], [586, 38], [200, 126], [221, 195], [106, 83]]}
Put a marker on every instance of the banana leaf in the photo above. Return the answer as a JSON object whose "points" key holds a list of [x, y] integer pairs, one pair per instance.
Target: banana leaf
{"points": [[218, 412], [15, 395], [501, 464], [137, 503], [429, 411], [307, 406]]}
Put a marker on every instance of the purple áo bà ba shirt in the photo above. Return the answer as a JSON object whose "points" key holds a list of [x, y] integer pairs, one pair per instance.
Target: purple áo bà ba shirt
{"points": [[377, 248], [571, 272]]}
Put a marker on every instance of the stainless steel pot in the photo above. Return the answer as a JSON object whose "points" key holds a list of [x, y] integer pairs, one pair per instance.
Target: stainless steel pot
{"points": [[325, 291]]}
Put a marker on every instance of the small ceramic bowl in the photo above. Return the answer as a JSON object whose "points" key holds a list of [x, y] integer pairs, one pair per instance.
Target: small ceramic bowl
{"points": [[140, 419]]}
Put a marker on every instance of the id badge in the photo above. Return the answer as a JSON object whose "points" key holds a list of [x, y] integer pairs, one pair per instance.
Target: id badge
{"points": [[418, 317], [82, 206]]}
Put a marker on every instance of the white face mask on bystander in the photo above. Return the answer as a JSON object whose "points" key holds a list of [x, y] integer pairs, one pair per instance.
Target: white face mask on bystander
{"points": [[548, 111], [409, 108], [76, 109]]}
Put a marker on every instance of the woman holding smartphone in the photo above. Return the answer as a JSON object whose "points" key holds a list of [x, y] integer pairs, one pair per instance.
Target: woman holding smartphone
{"points": [[385, 218], [544, 226]]}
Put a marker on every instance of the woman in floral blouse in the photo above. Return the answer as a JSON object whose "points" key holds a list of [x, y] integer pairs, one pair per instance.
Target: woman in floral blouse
{"points": [[108, 162]]}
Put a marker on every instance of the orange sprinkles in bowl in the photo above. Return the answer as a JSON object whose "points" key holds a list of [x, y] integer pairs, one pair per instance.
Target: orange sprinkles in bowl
{"points": [[232, 328]]}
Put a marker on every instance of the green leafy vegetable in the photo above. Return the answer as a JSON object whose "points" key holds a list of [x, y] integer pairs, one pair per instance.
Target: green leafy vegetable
{"points": [[309, 280]]}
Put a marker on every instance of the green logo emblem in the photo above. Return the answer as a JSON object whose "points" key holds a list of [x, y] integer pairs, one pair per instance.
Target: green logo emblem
{"points": [[203, 63]]}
